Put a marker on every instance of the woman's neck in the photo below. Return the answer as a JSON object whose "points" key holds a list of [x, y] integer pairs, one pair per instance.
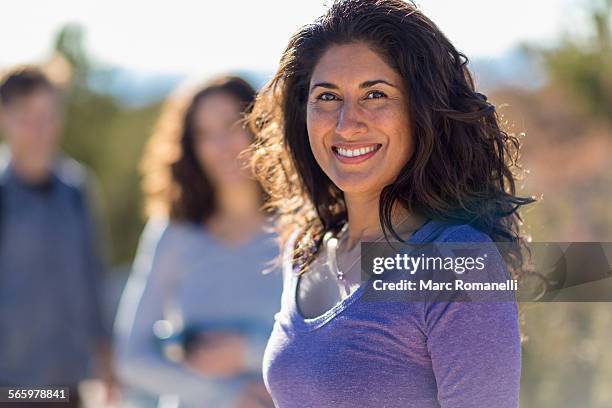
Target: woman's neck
{"points": [[238, 200], [364, 222], [238, 214]]}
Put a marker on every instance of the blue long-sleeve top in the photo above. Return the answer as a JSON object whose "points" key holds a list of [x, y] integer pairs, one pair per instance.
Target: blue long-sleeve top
{"points": [[181, 272]]}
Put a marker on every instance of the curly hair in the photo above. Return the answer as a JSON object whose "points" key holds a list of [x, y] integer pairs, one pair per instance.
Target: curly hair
{"points": [[462, 169], [174, 182]]}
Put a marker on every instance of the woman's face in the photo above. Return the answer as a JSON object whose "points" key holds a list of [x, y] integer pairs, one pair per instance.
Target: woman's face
{"points": [[219, 138], [357, 119]]}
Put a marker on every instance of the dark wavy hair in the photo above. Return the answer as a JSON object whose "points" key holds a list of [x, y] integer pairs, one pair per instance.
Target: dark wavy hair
{"points": [[462, 169], [174, 182]]}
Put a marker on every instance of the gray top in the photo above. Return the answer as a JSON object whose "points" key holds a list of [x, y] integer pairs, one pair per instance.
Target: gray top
{"points": [[50, 266], [180, 269]]}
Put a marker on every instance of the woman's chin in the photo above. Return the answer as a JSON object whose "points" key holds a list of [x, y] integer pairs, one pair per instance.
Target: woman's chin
{"points": [[357, 183]]}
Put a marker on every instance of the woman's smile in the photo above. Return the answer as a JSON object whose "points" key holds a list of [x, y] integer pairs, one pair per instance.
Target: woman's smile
{"points": [[355, 152]]}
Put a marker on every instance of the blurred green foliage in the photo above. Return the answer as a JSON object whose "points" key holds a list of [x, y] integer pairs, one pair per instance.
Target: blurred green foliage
{"points": [[108, 137], [584, 65]]}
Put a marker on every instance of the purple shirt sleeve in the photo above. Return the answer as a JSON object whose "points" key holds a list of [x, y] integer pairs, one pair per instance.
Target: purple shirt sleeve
{"points": [[475, 353], [475, 345]]}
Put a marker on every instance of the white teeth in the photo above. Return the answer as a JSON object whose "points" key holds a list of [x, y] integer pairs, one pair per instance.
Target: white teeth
{"points": [[355, 152]]}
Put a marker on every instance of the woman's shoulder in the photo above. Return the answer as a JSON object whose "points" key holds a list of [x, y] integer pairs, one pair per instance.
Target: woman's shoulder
{"points": [[449, 232], [154, 229], [181, 230], [163, 233], [456, 235], [167, 245]]}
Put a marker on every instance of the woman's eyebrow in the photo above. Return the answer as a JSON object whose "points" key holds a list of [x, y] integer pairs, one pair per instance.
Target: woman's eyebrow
{"points": [[327, 85], [368, 84]]}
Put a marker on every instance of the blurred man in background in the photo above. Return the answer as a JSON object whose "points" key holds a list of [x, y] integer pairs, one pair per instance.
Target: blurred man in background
{"points": [[51, 257]]}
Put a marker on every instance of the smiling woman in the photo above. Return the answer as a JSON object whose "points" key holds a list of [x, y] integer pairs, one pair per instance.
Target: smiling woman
{"points": [[357, 114], [372, 127]]}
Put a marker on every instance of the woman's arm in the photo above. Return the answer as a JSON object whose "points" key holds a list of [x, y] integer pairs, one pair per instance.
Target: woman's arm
{"points": [[475, 345], [475, 353], [140, 361]]}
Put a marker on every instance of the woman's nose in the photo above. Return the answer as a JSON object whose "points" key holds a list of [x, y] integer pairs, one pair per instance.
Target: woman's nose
{"points": [[350, 120]]}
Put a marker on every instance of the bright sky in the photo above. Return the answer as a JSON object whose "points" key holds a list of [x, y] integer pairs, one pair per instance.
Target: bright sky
{"points": [[201, 36]]}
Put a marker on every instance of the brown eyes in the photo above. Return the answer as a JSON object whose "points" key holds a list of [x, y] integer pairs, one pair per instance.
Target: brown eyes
{"points": [[375, 95], [327, 96]]}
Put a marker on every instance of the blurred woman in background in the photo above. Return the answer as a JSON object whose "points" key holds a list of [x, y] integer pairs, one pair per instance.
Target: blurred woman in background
{"points": [[196, 312]]}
